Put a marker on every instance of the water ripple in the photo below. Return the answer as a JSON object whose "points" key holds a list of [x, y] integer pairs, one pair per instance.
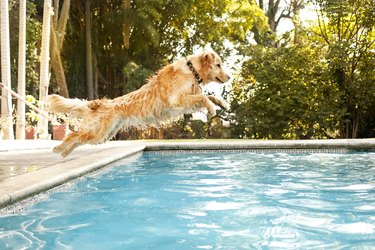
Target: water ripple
{"points": [[209, 201]]}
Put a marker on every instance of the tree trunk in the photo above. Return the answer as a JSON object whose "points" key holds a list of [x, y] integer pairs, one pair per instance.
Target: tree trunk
{"points": [[44, 69], [95, 75], [126, 31], [56, 64], [21, 126], [61, 27], [271, 14], [271, 11], [89, 71], [297, 21], [58, 28], [56, 4], [346, 120], [355, 127], [6, 98], [261, 5]]}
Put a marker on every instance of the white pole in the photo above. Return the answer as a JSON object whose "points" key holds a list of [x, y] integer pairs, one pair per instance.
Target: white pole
{"points": [[44, 68], [6, 98], [20, 127]]}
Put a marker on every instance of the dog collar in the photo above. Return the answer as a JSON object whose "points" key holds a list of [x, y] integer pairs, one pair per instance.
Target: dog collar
{"points": [[195, 73]]}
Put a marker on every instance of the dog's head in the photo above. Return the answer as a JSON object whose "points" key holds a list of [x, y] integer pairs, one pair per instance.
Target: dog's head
{"points": [[212, 68]]}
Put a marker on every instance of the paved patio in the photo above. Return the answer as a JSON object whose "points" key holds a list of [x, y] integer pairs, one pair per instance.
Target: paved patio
{"points": [[30, 167]]}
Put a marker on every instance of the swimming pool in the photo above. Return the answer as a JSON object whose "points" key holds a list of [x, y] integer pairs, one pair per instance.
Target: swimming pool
{"points": [[234, 200]]}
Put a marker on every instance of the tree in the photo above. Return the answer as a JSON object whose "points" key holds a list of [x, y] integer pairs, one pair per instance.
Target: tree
{"points": [[33, 37], [296, 6], [283, 93], [20, 126], [126, 31], [239, 19], [89, 69], [58, 27], [276, 11], [6, 98], [347, 29], [319, 87], [152, 36], [44, 68]]}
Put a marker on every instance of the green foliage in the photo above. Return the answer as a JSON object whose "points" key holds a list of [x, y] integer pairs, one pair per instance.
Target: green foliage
{"points": [[282, 93], [160, 31], [33, 36], [321, 85], [135, 76], [242, 16], [321, 88], [347, 29], [31, 116]]}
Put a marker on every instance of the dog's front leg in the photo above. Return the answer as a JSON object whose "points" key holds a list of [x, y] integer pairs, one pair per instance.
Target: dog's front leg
{"points": [[196, 101], [219, 102]]}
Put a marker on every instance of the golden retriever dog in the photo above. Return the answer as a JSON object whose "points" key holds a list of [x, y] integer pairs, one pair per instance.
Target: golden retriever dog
{"points": [[175, 90]]}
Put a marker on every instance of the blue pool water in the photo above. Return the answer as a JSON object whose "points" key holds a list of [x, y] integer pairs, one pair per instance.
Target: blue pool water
{"points": [[237, 200]]}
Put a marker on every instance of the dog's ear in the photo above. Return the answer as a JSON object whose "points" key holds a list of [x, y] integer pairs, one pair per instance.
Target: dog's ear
{"points": [[208, 58]]}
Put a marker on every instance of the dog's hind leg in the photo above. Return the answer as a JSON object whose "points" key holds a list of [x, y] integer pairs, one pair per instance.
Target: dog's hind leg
{"points": [[61, 147], [77, 139], [70, 142], [107, 129]]}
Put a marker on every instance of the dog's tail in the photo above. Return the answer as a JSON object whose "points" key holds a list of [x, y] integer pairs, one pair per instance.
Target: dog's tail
{"points": [[59, 104]]}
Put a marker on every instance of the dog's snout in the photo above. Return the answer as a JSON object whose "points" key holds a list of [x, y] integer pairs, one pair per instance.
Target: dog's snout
{"points": [[227, 77]]}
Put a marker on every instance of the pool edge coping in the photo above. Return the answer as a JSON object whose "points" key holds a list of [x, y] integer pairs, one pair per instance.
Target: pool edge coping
{"points": [[68, 171], [350, 144]]}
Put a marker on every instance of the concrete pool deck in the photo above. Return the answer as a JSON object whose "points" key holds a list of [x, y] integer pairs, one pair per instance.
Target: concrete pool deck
{"points": [[29, 167]]}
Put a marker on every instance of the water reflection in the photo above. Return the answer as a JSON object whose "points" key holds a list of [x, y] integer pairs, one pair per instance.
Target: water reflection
{"points": [[210, 201]]}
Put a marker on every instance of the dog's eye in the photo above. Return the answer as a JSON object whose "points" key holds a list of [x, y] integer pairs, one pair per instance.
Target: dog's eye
{"points": [[218, 65]]}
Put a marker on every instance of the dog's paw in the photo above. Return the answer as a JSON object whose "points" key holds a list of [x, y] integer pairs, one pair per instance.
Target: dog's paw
{"points": [[225, 105], [68, 150], [57, 149], [212, 111], [65, 153]]}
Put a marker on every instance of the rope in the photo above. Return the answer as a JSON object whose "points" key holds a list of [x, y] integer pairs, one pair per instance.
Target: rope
{"points": [[35, 108]]}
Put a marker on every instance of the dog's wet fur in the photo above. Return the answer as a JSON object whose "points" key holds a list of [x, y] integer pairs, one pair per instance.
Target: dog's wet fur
{"points": [[171, 92]]}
